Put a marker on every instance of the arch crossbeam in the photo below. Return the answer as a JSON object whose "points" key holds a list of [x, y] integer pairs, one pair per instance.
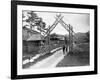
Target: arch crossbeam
{"points": [[68, 27]]}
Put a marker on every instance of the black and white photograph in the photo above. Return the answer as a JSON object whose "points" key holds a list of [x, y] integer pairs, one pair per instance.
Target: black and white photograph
{"points": [[55, 39], [52, 39]]}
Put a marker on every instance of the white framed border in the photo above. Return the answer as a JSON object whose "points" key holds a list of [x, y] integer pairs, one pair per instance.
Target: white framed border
{"points": [[21, 71]]}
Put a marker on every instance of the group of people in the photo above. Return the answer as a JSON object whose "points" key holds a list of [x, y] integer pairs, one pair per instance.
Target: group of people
{"points": [[65, 47]]}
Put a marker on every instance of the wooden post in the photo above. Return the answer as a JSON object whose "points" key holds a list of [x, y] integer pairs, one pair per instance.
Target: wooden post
{"points": [[49, 40], [70, 38]]}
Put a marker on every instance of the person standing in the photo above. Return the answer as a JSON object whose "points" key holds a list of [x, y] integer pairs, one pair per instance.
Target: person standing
{"points": [[65, 46], [64, 49]]}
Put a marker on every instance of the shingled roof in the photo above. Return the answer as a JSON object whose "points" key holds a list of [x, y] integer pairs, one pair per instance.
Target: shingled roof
{"points": [[35, 37], [31, 35]]}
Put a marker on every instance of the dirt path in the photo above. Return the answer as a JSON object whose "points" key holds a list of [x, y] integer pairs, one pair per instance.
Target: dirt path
{"points": [[51, 61]]}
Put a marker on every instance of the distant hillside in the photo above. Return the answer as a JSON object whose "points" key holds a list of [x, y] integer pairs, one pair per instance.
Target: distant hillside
{"points": [[81, 37], [79, 34]]}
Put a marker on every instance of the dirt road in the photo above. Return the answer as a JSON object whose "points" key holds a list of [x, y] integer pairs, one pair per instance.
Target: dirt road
{"points": [[51, 61]]}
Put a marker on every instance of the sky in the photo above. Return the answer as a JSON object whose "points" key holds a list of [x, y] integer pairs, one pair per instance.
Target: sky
{"points": [[80, 22]]}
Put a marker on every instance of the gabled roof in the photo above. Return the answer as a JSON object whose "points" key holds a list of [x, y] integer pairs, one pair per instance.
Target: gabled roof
{"points": [[31, 35], [35, 37]]}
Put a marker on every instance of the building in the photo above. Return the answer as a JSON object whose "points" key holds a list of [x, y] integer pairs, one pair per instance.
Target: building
{"points": [[31, 40]]}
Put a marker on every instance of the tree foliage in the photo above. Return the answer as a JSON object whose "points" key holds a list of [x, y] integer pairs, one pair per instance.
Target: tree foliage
{"points": [[34, 20]]}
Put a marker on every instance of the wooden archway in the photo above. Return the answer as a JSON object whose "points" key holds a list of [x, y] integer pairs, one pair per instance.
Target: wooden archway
{"points": [[68, 27]]}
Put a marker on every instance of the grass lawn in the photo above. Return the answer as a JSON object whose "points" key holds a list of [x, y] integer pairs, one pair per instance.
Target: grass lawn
{"points": [[78, 57]]}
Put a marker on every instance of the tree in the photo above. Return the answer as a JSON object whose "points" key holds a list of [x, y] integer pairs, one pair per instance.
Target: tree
{"points": [[34, 20]]}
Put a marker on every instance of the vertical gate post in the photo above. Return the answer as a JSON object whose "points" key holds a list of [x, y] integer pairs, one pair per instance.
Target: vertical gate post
{"points": [[70, 38], [49, 40]]}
